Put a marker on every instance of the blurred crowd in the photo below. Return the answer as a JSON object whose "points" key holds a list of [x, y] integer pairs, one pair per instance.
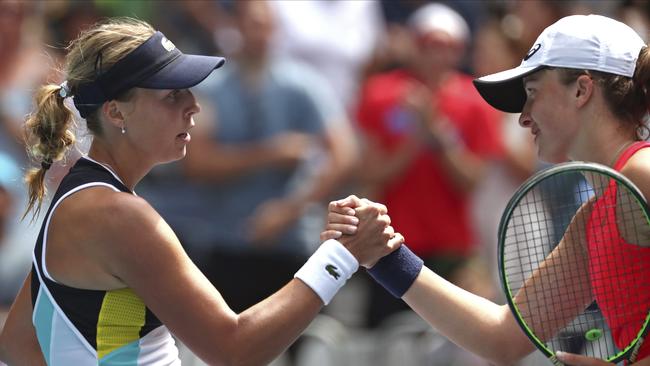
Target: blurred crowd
{"points": [[319, 99]]}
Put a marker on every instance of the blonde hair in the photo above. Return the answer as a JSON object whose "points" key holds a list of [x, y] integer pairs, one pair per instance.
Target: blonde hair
{"points": [[49, 128]]}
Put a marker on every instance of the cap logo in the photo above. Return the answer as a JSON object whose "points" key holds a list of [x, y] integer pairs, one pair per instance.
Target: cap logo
{"points": [[533, 51], [167, 44]]}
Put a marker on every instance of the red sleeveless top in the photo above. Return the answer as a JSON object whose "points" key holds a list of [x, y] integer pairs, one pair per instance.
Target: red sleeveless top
{"points": [[623, 308]]}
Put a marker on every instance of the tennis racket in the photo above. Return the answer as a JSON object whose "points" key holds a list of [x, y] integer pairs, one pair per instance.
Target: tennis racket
{"points": [[574, 261]]}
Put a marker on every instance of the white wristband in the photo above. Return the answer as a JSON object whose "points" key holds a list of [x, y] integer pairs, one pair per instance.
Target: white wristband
{"points": [[327, 269]]}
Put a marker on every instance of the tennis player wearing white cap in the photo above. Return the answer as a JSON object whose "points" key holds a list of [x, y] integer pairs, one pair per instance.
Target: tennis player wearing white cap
{"points": [[582, 89]]}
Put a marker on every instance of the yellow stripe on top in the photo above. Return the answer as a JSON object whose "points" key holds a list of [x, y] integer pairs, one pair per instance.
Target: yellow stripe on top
{"points": [[121, 318]]}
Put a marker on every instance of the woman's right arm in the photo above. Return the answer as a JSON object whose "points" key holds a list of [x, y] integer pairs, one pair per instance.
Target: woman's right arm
{"points": [[18, 343], [142, 251], [476, 324]]}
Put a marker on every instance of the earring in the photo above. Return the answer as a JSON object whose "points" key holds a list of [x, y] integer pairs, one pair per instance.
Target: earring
{"points": [[123, 130]]}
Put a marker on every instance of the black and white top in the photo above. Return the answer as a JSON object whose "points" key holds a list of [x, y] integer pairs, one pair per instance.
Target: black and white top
{"points": [[90, 327]]}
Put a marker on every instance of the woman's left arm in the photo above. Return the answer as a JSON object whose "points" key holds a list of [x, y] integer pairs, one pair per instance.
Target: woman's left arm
{"points": [[18, 343]]}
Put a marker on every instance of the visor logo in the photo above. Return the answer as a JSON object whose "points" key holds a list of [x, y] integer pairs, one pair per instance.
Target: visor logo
{"points": [[167, 44], [533, 51]]}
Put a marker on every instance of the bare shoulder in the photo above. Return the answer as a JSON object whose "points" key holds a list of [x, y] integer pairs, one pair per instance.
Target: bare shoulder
{"points": [[84, 232], [103, 211], [131, 220], [637, 169], [125, 229], [125, 211]]}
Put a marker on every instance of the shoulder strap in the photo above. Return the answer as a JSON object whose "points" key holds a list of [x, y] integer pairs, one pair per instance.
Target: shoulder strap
{"points": [[627, 154]]}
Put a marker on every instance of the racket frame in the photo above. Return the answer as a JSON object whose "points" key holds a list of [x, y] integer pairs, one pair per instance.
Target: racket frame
{"points": [[631, 351]]}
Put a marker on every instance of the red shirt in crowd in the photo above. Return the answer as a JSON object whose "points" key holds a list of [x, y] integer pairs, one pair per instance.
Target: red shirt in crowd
{"points": [[424, 205]]}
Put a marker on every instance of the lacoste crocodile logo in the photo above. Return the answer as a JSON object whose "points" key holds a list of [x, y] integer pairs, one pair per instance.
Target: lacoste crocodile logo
{"points": [[332, 270], [167, 44]]}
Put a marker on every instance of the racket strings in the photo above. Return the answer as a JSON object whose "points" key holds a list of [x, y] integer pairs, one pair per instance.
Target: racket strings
{"points": [[593, 276], [617, 265]]}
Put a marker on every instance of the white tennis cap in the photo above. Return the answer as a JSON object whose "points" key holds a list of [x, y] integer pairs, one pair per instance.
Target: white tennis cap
{"points": [[587, 42]]}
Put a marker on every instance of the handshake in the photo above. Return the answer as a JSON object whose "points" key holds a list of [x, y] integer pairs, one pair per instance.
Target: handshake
{"points": [[358, 233], [363, 227]]}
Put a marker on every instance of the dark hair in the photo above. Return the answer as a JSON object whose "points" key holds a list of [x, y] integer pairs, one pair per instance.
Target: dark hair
{"points": [[627, 98]]}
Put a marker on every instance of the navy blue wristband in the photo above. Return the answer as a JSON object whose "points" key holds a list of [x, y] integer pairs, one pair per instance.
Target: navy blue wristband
{"points": [[397, 271]]}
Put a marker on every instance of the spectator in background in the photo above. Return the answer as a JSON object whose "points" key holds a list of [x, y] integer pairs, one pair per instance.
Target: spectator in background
{"points": [[392, 51], [394, 48], [66, 19], [428, 137], [495, 51], [636, 14], [23, 66], [260, 168], [14, 263], [7, 171], [336, 38], [525, 20]]}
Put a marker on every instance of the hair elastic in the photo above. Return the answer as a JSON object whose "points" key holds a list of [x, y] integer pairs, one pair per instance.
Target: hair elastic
{"points": [[64, 90], [46, 164]]}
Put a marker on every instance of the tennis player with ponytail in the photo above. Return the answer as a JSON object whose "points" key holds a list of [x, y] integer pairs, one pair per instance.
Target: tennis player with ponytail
{"points": [[110, 280], [583, 91]]}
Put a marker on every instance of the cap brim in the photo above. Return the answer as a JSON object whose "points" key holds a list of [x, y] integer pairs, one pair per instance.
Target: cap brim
{"points": [[184, 72], [505, 90]]}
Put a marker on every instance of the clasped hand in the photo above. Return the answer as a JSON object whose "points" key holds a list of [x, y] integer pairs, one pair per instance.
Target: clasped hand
{"points": [[363, 227]]}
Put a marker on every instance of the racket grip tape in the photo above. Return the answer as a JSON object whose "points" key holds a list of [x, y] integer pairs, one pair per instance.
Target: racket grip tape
{"points": [[397, 271]]}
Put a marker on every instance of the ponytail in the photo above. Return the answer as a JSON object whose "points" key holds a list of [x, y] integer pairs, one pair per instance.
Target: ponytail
{"points": [[49, 128], [48, 136]]}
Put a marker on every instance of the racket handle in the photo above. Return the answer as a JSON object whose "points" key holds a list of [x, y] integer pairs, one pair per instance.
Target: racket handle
{"points": [[397, 271]]}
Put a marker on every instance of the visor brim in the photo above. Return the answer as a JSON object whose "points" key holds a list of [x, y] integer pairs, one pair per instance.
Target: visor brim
{"points": [[505, 90], [184, 72]]}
